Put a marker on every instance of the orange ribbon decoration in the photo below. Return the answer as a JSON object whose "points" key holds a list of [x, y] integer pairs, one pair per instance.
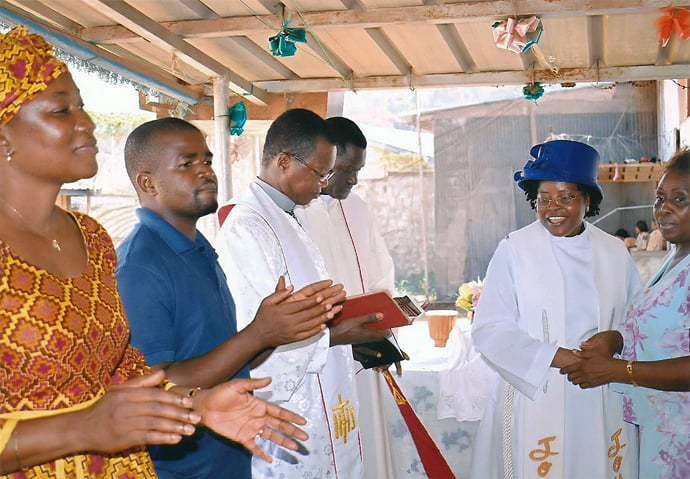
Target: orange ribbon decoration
{"points": [[674, 19]]}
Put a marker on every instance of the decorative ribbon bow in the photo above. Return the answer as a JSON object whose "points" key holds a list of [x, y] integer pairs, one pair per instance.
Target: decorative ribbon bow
{"points": [[517, 35], [533, 91], [283, 43], [673, 19], [238, 117]]}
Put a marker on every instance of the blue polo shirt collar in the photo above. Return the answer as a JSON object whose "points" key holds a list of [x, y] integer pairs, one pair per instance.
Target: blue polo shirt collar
{"points": [[175, 240]]}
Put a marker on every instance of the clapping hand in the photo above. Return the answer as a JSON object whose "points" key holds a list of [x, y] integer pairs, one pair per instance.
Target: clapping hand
{"points": [[134, 413], [284, 317], [231, 410]]}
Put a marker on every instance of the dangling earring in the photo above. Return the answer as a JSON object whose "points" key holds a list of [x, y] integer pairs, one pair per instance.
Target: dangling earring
{"points": [[9, 158]]}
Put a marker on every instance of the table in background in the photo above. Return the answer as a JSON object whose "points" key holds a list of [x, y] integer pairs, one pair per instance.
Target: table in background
{"points": [[420, 383]]}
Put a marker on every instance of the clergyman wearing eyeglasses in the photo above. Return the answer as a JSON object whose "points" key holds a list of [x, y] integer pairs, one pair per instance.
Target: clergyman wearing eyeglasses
{"points": [[261, 239]]}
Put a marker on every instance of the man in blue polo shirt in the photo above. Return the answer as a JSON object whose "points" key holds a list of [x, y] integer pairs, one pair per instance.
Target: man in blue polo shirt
{"points": [[180, 310]]}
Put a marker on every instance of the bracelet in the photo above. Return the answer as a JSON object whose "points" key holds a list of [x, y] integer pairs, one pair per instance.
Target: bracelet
{"points": [[192, 392], [167, 384], [16, 450], [629, 370]]}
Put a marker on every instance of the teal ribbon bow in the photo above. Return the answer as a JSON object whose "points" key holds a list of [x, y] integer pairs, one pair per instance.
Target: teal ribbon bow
{"points": [[237, 114], [283, 43], [533, 91]]}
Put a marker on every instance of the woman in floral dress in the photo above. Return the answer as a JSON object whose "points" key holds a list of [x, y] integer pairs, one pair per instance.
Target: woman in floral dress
{"points": [[653, 373]]}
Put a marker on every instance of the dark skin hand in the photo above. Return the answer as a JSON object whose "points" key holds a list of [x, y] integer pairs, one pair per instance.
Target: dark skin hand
{"points": [[248, 416], [355, 331], [326, 296], [128, 415], [138, 412], [285, 318], [597, 367], [282, 317], [361, 353]]}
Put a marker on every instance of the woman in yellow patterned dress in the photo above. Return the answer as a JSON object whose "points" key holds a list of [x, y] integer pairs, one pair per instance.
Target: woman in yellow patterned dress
{"points": [[73, 393]]}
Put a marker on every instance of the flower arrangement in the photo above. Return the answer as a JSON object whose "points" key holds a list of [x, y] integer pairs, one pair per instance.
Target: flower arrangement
{"points": [[468, 296]]}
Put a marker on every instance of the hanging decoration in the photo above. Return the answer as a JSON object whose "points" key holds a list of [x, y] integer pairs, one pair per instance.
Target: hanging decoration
{"points": [[517, 35], [533, 91], [237, 114], [674, 19], [520, 35], [283, 43]]}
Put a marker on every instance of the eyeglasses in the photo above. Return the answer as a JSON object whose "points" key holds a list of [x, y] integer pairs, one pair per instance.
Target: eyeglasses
{"points": [[323, 177], [564, 200]]}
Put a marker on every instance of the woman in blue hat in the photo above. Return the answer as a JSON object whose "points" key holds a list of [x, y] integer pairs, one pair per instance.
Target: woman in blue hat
{"points": [[549, 287]]}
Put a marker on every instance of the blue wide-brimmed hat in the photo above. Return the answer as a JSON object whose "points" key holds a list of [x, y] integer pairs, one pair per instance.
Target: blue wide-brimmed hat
{"points": [[562, 160]]}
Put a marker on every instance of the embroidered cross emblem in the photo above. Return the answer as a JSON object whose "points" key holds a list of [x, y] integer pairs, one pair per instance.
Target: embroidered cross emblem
{"points": [[343, 419]]}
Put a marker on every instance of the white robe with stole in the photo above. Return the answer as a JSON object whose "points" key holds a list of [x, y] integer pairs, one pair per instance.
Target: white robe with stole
{"points": [[356, 255], [256, 244], [543, 292]]}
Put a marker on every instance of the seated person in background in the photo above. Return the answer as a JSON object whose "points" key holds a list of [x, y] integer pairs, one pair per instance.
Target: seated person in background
{"points": [[625, 237], [622, 233], [642, 231], [656, 241]]}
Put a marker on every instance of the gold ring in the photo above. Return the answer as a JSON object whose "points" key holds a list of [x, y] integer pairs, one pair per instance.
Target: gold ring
{"points": [[258, 434]]}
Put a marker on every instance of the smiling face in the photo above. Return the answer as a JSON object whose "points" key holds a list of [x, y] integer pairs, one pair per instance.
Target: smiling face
{"points": [[672, 208], [561, 207], [51, 136], [182, 186], [348, 162]]}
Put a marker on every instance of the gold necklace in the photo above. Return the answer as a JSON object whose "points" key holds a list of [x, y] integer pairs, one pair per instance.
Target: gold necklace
{"points": [[54, 242]]}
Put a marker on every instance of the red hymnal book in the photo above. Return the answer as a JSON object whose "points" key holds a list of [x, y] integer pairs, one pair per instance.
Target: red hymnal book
{"points": [[398, 311]]}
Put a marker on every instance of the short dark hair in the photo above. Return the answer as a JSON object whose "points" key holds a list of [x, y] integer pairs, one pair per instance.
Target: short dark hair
{"points": [[531, 188], [139, 144], [295, 131], [642, 226], [346, 131], [680, 161]]}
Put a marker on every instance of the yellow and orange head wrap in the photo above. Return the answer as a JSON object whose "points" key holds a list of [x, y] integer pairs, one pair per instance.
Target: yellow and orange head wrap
{"points": [[27, 66]]}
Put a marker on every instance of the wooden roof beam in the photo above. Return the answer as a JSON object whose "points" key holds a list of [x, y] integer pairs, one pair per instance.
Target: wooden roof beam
{"points": [[328, 56], [461, 12], [457, 47], [41, 10], [200, 9], [137, 71], [389, 49], [622, 74], [664, 54], [149, 29], [596, 39]]}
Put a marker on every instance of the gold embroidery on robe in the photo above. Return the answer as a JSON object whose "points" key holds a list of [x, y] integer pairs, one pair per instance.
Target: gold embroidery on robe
{"points": [[343, 419], [614, 452], [540, 455]]}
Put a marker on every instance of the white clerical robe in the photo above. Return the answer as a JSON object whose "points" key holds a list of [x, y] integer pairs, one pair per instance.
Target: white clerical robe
{"points": [[543, 292], [356, 255], [256, 244]]}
